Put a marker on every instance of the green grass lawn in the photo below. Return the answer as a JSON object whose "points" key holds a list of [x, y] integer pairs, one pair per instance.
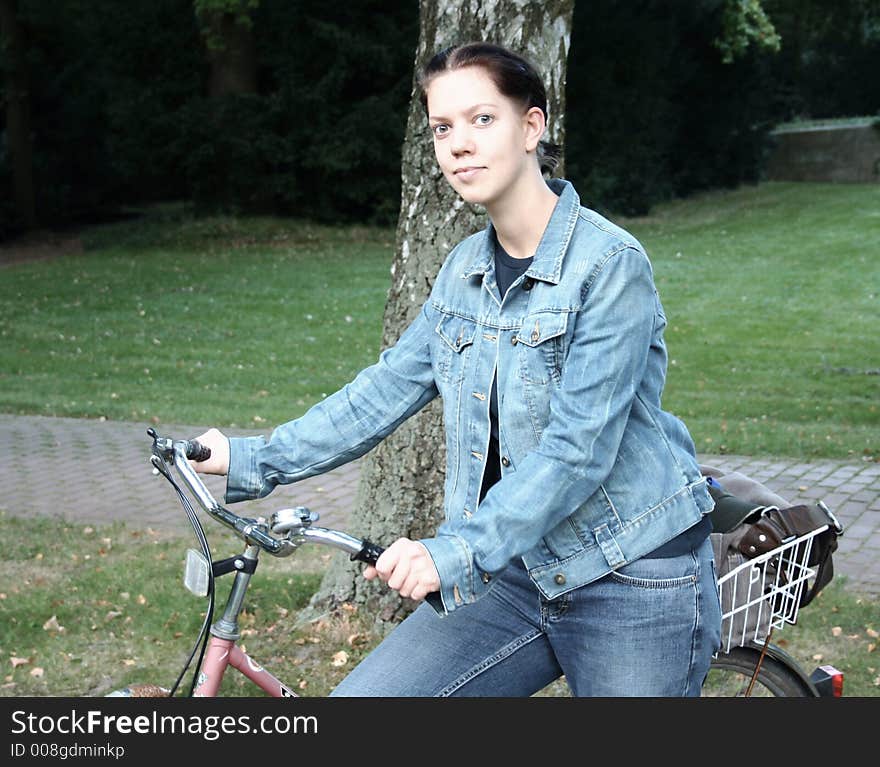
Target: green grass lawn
{"points": [[771, 293]]}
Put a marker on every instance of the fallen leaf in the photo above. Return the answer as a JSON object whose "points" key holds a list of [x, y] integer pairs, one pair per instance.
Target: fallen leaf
{"points": [[817, 656], [836, 631], [36, 671], [870, 632], [16, 662], [112, 614], [355, 638], [128, 661], [340, 658], [141, 599], [53, 625], [303, 684]]}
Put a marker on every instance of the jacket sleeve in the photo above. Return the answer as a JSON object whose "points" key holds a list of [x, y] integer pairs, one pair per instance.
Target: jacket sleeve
{"points": [[342, 427], [589, 410]]}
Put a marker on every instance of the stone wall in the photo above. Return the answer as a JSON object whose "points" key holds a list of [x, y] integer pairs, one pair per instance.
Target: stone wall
{"points": [[846, 154]]}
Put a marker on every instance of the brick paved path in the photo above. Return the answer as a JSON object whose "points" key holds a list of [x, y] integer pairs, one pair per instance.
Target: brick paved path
{"points": [[50, 466]]}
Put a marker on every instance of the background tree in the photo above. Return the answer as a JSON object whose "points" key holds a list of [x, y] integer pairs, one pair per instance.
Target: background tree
{"points": [[653, 110], [227, 29], [401, 486]]}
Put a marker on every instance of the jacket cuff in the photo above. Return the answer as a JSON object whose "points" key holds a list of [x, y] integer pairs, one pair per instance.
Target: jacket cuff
{"points": [[461, 582], [243, 481]]}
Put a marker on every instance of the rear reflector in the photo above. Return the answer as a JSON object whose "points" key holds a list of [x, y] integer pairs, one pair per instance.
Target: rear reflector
{"points": [[828, 681]]}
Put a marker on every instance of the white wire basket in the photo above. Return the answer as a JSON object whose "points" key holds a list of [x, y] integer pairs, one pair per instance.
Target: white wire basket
{"points": [[765, 592]]}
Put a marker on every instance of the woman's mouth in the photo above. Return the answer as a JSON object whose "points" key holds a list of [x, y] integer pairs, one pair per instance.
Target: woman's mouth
{"points": [[467, 173]]}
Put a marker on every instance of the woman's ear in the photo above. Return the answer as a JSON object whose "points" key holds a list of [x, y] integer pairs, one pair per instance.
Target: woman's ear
{"points": [[535, 124]]}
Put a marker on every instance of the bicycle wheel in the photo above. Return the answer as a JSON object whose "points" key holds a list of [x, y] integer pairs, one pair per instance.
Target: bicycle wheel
{"points": [[730, 675]]}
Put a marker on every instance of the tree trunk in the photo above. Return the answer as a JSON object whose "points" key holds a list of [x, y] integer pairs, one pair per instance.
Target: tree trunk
{"points": [[232, 55], [401, 485], [18, 113]]}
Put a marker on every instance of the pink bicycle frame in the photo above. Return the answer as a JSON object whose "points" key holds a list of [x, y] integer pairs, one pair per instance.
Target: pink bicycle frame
{"points": [[221, 653]]}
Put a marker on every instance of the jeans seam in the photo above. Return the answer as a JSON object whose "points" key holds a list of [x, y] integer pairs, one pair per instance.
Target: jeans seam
{"points": [[697, 619], [487, 663]]}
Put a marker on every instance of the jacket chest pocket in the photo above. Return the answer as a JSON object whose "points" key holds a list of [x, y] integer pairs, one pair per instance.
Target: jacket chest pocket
{"points": [[453, 340], [541, 342]]}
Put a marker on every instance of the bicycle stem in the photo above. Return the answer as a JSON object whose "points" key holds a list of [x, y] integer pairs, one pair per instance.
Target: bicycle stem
{"points": [[227, 626]]}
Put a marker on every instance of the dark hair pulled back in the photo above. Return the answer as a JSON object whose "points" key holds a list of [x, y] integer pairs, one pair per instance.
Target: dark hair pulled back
{"points": [[513, 75]]}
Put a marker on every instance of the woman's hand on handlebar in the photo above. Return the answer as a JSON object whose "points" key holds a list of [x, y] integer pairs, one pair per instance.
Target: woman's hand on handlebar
{"points": [[218, 463], [407, 567]]}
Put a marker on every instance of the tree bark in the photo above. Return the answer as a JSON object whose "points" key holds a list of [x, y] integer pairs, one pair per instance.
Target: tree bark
{"points": [[401, 486], [18, 113]]}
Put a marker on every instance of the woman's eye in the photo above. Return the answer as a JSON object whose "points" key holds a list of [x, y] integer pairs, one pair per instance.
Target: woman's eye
{"points": [[484, 119], [440, 130]]}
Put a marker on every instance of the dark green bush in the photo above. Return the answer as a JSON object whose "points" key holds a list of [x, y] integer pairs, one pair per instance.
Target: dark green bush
{"points": [[652, 112], [121, 115]]}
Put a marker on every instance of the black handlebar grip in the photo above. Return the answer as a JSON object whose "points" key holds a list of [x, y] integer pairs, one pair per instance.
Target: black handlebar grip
{"points": [[196, 451], [369, 553]]}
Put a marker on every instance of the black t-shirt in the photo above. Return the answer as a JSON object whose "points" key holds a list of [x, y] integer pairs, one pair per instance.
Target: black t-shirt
{"points": [[507, 270]]}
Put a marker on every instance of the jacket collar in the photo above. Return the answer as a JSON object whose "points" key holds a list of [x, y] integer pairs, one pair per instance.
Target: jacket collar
{"points": [[547, 262]]}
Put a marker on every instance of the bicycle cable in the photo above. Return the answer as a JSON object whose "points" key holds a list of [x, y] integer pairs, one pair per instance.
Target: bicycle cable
{"points": [[202, 638]]}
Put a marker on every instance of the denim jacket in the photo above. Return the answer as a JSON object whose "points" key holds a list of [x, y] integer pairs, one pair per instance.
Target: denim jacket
{"points": [[595, 474]]}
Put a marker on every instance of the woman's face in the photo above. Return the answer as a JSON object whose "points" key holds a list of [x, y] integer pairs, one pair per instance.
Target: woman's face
{"points": [[482, 139]]}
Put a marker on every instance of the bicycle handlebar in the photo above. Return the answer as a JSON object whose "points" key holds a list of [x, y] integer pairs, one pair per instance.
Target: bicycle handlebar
{"points": [[295, 522], [196, 451]]}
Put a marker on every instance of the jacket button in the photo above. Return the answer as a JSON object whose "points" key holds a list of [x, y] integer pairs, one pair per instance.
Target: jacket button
{"points": [[528, 283], [559, 578], [505, 461], [485, 577], [514, 340]]}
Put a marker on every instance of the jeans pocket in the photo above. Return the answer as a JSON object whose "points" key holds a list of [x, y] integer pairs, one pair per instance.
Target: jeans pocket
{"points": [[659, 573]]}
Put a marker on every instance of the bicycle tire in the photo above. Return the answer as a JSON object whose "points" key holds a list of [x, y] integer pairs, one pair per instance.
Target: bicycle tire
{"points": [[730, 674]]}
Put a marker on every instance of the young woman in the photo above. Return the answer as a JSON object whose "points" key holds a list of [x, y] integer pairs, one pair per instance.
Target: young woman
{"points": [[575, 539]]}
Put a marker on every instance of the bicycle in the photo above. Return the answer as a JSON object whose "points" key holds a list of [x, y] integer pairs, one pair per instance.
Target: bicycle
{"points": [[751, 667]]}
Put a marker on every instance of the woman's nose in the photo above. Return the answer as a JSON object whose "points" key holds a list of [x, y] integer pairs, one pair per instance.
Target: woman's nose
{"points": [[462, 143]]}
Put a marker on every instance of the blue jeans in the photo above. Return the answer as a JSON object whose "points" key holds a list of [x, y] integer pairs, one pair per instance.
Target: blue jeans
{"points": [[647, 629]]}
